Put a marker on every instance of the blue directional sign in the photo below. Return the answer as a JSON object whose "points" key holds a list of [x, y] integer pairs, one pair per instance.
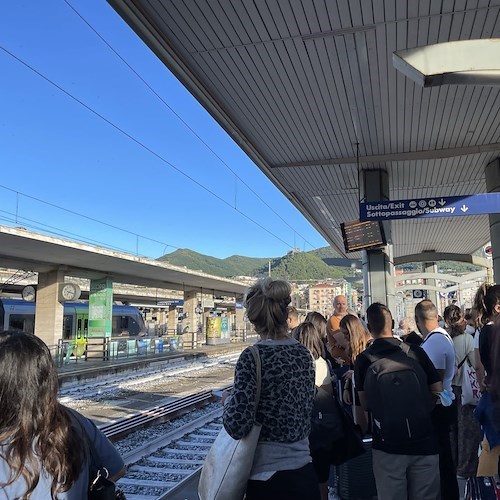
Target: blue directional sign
{"points": [[170, 303], [449, 206]]}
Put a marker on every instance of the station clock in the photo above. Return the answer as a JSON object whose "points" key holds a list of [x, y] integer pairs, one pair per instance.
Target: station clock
{"points": [[29, 293], [69, 291]]}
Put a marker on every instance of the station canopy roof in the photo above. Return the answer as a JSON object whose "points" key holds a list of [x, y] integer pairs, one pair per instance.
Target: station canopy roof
{"points": [[299, 84]]}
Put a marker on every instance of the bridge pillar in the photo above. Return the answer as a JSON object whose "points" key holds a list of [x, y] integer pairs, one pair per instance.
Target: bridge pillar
{"points": [[172, 320], [240, 323], [492, 175], [432, 295], [190, 333], [49, 311], [378, 267]]}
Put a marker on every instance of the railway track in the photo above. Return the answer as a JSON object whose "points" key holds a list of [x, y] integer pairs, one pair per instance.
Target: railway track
{"points": [[164, 464], [161, 467], [124, 426]]}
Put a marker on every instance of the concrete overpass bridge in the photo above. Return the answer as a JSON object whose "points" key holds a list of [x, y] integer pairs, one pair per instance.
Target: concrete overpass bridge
{"points": [[53, 259]]}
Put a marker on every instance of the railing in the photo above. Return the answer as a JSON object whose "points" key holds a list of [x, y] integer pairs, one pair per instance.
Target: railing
{"points": [[113, 348]]}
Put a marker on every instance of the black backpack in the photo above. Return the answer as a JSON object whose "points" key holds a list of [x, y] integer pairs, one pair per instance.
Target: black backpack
{"points": [[398, 396]]}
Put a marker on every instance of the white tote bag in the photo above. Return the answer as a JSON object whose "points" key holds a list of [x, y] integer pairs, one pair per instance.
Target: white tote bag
{"points": [[471, 393], [229, 461]]}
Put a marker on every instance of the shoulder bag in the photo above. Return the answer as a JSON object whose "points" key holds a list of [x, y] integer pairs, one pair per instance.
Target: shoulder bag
{"points": [[471, 393], [229, 461]]}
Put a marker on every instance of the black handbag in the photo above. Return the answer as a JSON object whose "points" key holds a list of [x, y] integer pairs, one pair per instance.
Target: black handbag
{"points": [[326, 421], [100, 487], [350, 445]]}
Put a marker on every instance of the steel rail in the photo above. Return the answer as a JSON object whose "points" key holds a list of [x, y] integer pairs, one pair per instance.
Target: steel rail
{"points": [[119, 428]]}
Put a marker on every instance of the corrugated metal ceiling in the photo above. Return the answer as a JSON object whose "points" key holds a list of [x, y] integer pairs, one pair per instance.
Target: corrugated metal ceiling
{"points": [[300, 83]]}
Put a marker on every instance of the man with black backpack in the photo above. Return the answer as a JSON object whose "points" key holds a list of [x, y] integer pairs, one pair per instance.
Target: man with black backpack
{"points": [[395, 382]]}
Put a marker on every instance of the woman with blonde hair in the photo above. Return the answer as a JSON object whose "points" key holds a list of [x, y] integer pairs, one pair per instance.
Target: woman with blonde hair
{"points": [[43, 445], [356, 339], [282, 467]]}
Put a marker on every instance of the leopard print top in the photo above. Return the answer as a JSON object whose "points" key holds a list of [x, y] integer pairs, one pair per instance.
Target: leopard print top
{"points": [[287, 393]]}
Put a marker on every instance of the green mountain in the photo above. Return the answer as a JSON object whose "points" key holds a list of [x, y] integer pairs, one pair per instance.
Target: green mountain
{"points": [[294, 266], [325, 253], [302, 266], [236, 265]]}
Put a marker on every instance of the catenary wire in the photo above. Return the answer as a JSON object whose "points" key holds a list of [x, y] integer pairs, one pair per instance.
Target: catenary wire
{"points": [[179, 117], [58, 231], [87, 217], [142, 145]]}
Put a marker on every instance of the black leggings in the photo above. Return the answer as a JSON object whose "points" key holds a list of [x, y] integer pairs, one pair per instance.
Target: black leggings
{"points": [[299, 484]]}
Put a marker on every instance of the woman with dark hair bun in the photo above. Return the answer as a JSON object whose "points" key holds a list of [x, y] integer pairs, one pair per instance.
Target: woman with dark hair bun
{"points": [[465, 432], [282, 468], [42, 449]]}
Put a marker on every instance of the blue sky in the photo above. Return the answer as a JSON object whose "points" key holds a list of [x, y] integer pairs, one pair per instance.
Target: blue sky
{"points": [[55, 150]]}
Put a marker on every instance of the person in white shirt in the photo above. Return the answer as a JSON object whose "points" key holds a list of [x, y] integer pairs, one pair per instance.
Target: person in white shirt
{"points": [[439, 347]]}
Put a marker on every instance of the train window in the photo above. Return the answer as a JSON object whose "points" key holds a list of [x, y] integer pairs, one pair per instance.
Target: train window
{"points": [[24, 322], [67, 326], [133, 327], [126, 325]]}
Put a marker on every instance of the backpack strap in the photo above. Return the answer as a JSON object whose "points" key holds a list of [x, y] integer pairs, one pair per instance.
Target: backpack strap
{"points": [[405, 348], [375, 357], [462, 362], [429, 336]]}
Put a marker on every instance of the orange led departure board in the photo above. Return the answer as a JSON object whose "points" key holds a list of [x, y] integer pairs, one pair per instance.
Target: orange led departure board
{"points": [[362, 235]]}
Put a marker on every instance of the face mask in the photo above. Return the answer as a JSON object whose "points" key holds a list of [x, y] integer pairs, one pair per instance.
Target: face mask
{"points": [[469, 329], [441, 324]]}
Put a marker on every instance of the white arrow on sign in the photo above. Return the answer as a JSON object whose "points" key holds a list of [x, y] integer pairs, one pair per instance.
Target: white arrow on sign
{"points": [[464, 208], [442, 202]]}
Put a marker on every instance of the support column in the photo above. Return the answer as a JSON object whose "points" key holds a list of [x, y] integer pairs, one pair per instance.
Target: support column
{"points": [[432, 295], [189, 338], [378, 267], [172, 321], [49, 311], [240, 323], [492, 175]]}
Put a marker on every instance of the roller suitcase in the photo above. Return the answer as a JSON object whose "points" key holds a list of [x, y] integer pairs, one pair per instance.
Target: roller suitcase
{"points": [[355, 477], [482, 488]]}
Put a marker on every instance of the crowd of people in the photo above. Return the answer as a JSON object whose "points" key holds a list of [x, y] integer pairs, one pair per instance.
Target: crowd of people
{"points": [[403, 386]]}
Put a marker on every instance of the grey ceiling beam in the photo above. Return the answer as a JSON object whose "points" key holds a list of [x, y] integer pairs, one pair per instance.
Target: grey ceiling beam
{"points": [[429, 154], [438, 256]]}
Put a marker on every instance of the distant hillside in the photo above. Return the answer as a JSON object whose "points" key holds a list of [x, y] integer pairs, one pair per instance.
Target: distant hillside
{"points": [[325, 253], [294, 266], [304, 266], [236, 265]]}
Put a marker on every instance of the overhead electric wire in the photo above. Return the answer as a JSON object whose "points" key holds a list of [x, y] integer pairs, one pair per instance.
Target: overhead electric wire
{"points": [[86, 217], [179, 117], [142, 145], [62, 232]]}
